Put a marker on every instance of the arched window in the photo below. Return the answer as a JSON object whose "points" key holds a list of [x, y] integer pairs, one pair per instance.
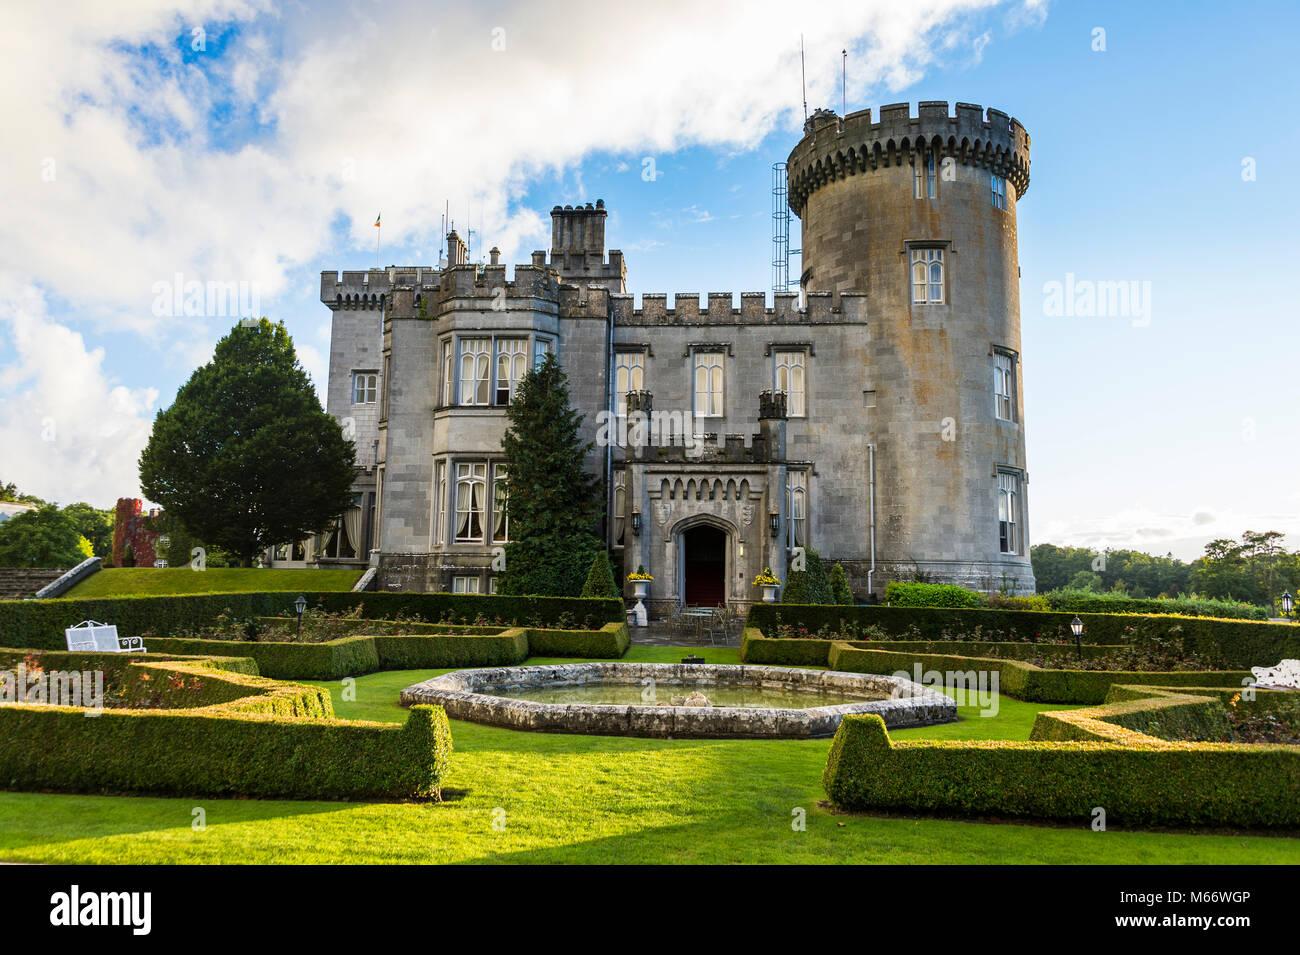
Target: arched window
{"points": [[796, 489], [620, 506], [475, 370], [790, 378], [629, 375], [708, 384], [471, 483]]}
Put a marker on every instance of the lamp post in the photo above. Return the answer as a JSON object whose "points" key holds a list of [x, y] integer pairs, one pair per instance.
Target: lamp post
{"points": [[1288, 602], [300, 605], [1076, 627]]}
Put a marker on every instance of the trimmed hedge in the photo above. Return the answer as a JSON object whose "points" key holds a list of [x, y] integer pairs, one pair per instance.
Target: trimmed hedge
{"points": [[360, 654], [40, 623], [1077, 601], [802, 651], [1241, 643], [265, 740], [609, 642], [1024, 681], [903, 594], [1136, 779]]}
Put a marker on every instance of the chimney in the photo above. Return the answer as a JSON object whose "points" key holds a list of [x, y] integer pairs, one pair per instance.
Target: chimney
{"points": [[578, 229], [494, 257], [456, 253]]}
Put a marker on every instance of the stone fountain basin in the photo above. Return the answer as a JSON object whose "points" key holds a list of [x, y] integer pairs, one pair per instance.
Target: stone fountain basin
{"points": [[469, 695]]}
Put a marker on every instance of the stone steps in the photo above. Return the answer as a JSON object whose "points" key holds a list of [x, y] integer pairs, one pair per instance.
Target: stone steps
{"points": [[19, 582]]}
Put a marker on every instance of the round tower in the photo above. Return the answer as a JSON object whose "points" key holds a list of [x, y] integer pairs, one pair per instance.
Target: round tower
{"points": [[919, 212]]}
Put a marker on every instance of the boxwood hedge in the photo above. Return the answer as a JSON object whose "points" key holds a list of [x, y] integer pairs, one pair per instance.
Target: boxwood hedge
{"points": [[609, 642], [40, 623], [272, 741], [1024, 681], [1135, 778], [1241, 643]]}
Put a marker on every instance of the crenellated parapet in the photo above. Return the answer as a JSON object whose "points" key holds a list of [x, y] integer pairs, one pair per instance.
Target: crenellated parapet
{"points": [[720, 309], [835, 148]]}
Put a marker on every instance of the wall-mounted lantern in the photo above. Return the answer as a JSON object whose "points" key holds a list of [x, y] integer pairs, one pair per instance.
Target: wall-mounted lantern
{"points": [[636, 522], [775, 521]]}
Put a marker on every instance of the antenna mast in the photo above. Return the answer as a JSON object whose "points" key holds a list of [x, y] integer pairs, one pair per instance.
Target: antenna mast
{"points": [[803, 78], [844, 83]]}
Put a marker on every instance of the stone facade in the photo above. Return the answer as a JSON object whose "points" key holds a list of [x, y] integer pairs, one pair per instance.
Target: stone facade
{"points": [[846, 417]]}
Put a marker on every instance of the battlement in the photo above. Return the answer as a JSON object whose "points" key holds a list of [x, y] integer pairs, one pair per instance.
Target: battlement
{"points": [[819, 308], [366, 289], [834, 147]]}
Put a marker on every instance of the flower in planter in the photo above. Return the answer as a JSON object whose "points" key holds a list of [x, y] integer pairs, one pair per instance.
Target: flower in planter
{"points": [[640, 574], [767, 579]]}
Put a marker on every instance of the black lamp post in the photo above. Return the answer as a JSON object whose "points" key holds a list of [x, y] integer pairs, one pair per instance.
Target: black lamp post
{"points": [[1288, 602], [1076, 627], [300, 605]]}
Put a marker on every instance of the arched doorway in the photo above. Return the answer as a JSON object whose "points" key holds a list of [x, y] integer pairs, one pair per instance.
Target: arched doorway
{"points": [[704, 566]]}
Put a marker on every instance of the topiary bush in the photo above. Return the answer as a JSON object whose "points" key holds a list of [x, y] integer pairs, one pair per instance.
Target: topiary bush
{"points": [[811, 585], [600, 579]]}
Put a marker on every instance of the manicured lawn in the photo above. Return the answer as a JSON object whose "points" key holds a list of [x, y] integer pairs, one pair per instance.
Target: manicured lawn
{"points": [[535, 797], [123, 581]]}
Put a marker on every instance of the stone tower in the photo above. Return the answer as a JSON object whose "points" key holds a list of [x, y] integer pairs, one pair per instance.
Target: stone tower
{"points": [[919, 212]]}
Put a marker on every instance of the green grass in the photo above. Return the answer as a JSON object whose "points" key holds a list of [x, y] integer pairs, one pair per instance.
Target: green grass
{"points": [[561, 798], [125, 581]]}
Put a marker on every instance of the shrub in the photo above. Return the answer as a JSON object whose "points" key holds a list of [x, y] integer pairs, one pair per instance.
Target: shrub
{"points": [[900, 594], [811, 585], [259, 738], [609, 642], [1086, 601], [40, 623], [600, 579], [840, 591], [1140, 780], [1238, 643]]}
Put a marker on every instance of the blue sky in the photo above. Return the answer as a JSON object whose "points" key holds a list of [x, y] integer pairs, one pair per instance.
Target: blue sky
{"points": [[264, 156]]}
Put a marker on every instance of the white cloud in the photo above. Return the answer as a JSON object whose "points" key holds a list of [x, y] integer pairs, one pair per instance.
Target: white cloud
{"points": [[69, 431], [1183, 535]]}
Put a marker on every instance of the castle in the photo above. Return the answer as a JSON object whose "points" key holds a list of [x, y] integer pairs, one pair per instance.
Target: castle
{"points": [[880, 421]]}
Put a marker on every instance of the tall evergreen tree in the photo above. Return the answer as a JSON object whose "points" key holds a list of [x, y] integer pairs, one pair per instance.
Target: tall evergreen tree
{"points": [[552, 500], [246, 457]]}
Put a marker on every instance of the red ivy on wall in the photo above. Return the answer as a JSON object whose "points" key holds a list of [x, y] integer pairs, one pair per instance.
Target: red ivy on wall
{"points": [[132, 526]]}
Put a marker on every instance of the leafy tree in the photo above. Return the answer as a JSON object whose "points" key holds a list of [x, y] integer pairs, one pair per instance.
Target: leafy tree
{"points": [[600, 579], [10, 492], [46, 537], [840, 590], [552, 501], [246, 457], [176, 545], [95, 525]]}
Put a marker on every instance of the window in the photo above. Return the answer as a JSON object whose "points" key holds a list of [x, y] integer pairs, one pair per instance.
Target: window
{"points": [[492, 585], [790, 378], [365, 387], [708, 384], [464, 585], [1004, 385], [500, 494], [620, 507], [923, 175], [998, 192], [796, 504], [511, 355], [446, 373], [927, 276], [629, 375], [541, 348], [342, 540], [440, 504], [471, 483], [1008, 512], [475, 370]]}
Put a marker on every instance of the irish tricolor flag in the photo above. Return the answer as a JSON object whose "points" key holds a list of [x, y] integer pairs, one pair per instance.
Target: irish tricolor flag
{"points": [[377, 222]]}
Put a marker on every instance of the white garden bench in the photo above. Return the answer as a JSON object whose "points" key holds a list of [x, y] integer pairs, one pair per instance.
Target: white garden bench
{"points": [[89, 636], [1285, 674]]}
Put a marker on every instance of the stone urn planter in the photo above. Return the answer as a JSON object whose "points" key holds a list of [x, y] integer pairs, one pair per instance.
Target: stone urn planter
{"points": [[638, 612], [769, 593], [639, 587]]}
